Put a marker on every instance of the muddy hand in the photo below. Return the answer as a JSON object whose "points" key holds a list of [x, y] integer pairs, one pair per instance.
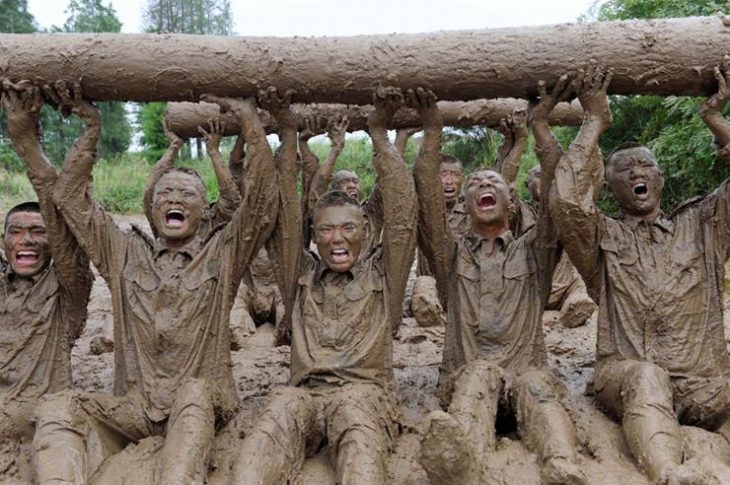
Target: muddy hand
{"points": [[424, 101], [591, 85], [336, 130], [715, 103], [213, 136], [22, 102]]}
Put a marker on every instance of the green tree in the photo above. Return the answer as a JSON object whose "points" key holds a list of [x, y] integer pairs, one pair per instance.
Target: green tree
{"points": [[204, 17], [149, 119], [670, 126], [14, 19]]}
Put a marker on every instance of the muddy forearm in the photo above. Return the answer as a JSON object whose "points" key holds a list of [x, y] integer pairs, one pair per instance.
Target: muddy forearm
{"points": [[229, 197], [511, 162], [165, 163], [720, 128]]}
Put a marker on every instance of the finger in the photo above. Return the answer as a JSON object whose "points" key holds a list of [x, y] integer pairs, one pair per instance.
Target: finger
{"points": [[607, 80], [51, 95], [542, 88], [411, 99], [202, 132]]}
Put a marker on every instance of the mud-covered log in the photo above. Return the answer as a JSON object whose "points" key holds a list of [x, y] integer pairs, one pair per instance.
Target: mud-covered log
{"points": [[184, 118], [663, 56]]}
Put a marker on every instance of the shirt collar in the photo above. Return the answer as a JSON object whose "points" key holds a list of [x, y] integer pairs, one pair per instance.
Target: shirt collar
{"points": [[475, 240], [191, 249], [661, 222]]}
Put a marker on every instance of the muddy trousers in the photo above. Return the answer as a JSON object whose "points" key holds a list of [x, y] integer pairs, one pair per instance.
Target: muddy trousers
{"points": [[356, 420], [531, 396], [651, 405], [77, 431]]}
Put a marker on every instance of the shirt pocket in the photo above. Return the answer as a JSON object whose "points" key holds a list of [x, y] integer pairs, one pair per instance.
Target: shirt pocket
{"points": [[621, 252], [140, 286], [519, 268], [42, 295]]}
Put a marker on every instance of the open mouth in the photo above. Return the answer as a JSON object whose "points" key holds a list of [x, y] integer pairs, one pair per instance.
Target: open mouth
{"points": [[174, 218], [449, 191], [352, 193], [487, 201], [641, 191], [26, 258], [339, 255]]}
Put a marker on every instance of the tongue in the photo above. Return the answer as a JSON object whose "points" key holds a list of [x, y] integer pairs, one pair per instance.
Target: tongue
{"points": [[26, 260], [174, 222]]}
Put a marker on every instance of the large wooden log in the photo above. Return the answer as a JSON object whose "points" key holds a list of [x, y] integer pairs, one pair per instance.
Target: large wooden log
{"points": [[665, 57], [184, 118]]}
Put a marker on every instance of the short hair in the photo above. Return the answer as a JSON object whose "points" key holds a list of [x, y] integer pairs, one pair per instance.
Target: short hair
{"points": [[188, 171], [532, 173], [336, 198], [446, 158], [30, 206], [629, 150]]}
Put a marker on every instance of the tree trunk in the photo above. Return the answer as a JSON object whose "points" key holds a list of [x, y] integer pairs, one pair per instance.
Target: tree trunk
{"points": [[663, 56], [184, 118]]}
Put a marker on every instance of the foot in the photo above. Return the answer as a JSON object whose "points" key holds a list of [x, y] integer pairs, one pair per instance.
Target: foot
{"points": [[445, 452], [576, 313], [561, 471]]}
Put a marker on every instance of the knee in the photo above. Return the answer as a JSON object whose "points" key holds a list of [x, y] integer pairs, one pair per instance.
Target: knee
{"points": [[538, 384], [61, 408], [292, 402], [478, 372], [646, 383]]}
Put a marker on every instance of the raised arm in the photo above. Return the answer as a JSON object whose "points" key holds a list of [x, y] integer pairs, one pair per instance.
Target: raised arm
{"points": [[22, 103], [95, 231], [711, 111], [254, 220], [166, 162], [399, 199], [514, 131], [434, 235], [547, 147], [229, 196], [336, 129], [284, 245], [236, 161], [401, 139], [572, 199]]}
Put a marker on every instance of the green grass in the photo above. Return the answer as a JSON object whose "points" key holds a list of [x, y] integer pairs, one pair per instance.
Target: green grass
{"points": [[15, 189]]}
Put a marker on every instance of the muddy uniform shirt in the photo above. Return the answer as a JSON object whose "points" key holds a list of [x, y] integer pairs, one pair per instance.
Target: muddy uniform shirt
{"points": [[459, 223], [496, 296], [341, 324], [171, 307], [41, 317], [661, 299]]}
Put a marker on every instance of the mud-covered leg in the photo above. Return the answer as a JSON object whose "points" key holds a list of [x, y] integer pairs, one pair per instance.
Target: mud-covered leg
{"points": [[425, 303], [241, 324], [274, 451], [545, 427], [641, 394], [190, 433], [66, 422], [359, 430], [455, 442]]}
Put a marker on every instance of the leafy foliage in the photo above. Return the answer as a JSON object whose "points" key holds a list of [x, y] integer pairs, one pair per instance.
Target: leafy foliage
{"points": [[671, 126], [150, 118], [211, 17]]}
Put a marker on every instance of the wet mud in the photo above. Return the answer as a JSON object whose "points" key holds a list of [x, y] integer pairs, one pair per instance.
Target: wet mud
{"points": [[259, 368]]}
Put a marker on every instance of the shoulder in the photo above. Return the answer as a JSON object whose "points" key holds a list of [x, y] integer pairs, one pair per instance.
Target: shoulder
{"points": [[141, 235]]}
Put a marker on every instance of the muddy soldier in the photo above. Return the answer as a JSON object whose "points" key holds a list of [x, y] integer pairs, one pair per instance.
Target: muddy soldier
{"points": [[661, 356], [46, 282], [346, 303], [171, 299], [497, 287]]}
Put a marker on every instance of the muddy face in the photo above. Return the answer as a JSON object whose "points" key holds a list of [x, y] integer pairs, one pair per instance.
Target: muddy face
{"points": [[347, 182], [26, 244], [178, 206], [487, 197], [637, 183], [533, 183], [339, 233], [452, 178]]}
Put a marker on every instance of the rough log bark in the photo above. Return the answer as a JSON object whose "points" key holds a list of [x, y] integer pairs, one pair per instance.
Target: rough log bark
{"points": [[663, 56], [184, 118]]}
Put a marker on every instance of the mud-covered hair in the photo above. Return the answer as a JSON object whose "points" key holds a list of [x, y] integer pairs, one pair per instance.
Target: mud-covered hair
{"points": [[629, 150], [30, 206], [531, 174], [192, 173], [335, 198], [446, 158]]}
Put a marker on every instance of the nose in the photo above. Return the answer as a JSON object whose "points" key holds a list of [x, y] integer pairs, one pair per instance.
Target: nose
{"points": [[174, 196], [27, 239], [337, 235]]}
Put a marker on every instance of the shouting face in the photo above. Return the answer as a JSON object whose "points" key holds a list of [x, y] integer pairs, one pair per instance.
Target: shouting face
{"points": [[339, 232], [26, 244], [636, 181], [452, 176], [347, 182], [178, 206], [487, 198]]}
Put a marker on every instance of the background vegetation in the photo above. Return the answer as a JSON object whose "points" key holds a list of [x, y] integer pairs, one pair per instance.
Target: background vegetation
{"points": [[669, 126]]}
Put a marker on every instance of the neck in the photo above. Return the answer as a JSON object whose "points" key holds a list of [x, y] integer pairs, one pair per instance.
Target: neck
{"points": [[649, 217], [490, 230], [450, 204], [176, 243]]}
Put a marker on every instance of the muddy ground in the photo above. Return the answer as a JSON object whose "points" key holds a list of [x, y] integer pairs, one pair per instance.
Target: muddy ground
{"points": [[260, 367]]}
